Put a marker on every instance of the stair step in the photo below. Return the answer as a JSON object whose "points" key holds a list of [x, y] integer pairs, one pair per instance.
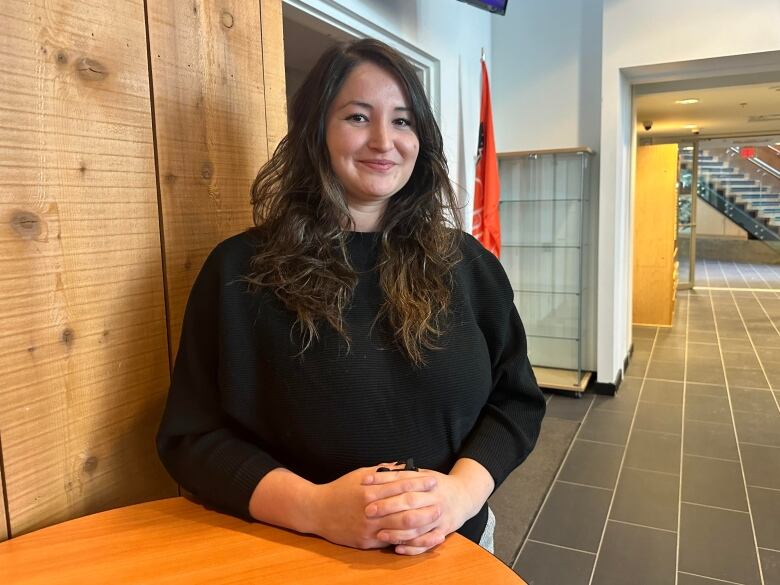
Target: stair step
{"points": [[763, 201], [770, 209], [748, 189], [738, 183], [752, 196], [687, 155], [721, 176]]}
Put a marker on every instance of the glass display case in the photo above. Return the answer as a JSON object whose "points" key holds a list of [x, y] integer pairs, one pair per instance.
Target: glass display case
{"points": [[547, 227]]}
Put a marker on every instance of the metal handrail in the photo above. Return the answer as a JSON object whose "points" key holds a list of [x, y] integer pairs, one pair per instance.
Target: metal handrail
{"points": [[733, 212], [759, 163], [768, 168]]}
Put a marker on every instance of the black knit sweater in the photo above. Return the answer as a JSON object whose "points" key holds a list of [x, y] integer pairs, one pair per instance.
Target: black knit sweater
{"points": [[241, 403]]}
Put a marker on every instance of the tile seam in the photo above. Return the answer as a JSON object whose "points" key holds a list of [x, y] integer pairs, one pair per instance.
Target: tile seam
{"points": [[579, 550], [736, 431], [623, 459]]}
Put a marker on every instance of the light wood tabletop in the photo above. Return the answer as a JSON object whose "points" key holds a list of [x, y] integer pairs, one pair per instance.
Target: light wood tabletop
{"points": [[179, 541]]}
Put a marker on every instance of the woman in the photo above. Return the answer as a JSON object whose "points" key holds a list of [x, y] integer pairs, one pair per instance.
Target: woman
{"points": [[350, 329]]}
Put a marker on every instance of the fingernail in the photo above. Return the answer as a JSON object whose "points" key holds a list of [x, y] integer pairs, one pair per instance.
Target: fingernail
{"points": [[371, 510]]}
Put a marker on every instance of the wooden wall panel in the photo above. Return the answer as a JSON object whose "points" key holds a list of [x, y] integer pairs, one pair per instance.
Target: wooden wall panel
{"points": [[273, 72], [83, 355], [655, 234], [3, 525], [207, 70]]}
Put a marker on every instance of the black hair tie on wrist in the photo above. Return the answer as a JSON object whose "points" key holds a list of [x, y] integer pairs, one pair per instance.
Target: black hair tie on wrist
{"points": [[408, 466]]}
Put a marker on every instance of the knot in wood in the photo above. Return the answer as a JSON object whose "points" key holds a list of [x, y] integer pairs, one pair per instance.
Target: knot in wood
{"points": [[90, 464], [68, 335], [62, 57], [91, 70], [26, 224], [207, 170], [227, 19]]}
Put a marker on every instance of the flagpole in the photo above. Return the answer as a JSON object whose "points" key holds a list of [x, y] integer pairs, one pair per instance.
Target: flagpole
{"points": [[486, 219]]}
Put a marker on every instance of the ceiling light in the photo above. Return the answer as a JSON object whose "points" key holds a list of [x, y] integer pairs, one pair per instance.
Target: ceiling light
{"points": [[687, 101], [690, 126]]}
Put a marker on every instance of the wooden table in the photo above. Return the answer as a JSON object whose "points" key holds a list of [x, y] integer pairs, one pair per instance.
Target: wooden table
{"points": [[178, 541]]}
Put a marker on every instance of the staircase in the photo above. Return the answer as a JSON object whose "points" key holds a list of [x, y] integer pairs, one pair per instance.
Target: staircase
{"points": [[742, 198]]}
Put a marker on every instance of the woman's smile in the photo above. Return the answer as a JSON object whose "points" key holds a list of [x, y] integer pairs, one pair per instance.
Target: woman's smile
{"points": [[379, 165]]}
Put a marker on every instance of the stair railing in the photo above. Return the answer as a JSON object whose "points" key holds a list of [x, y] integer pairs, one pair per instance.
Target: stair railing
{"points": [[759, 163], [735, 213]]}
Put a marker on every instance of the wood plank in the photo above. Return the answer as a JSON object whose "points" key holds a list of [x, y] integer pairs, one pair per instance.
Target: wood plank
{"points": [[84, 349], [655, 234], [3, 517], [209, 109], [273, 72], [558, 379]]}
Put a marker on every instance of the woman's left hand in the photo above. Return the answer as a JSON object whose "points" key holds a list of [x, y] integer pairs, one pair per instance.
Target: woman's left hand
{"points": [[458, 495]]}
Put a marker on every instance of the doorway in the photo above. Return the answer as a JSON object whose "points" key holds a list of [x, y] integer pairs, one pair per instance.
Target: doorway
{"points": [[727, 132], [735, 236]]}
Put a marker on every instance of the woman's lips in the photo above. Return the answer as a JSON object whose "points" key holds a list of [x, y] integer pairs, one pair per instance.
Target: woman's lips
{"points": [[378, 165]]}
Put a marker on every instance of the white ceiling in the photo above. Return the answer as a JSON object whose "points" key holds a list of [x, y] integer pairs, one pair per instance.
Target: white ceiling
{"points": [[752, 108]]}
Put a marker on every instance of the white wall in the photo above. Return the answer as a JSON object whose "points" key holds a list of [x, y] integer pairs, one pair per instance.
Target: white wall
{"points": [[454, 33], [547, 94], [547, 75], [639, 33], [712, 223]]}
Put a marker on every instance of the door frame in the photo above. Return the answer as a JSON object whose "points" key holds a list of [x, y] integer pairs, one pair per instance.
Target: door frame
{"points": [[337, 16]]}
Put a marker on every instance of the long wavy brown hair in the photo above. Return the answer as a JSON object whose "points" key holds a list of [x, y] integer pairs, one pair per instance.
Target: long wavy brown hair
{"points": [[303, 221]]}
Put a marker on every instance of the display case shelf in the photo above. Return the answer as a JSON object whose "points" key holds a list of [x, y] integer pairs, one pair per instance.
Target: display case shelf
{"points": [[546, 225]]}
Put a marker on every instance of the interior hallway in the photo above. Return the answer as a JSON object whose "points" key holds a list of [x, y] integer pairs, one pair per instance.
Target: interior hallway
{"points": [[677, 478]]}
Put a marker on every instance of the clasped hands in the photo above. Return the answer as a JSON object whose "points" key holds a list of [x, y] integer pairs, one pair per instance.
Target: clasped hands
{"points": [[411, 510]]}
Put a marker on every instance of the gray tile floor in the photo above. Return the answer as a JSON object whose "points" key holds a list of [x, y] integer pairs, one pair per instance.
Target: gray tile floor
{"points": [[676, 480], [728, 274]]}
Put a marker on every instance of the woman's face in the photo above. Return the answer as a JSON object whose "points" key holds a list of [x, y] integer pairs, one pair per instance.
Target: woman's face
{"points": [[371, 138]]}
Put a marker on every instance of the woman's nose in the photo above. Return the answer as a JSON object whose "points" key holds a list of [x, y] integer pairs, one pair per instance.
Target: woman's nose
{"points": [[380, 138]]}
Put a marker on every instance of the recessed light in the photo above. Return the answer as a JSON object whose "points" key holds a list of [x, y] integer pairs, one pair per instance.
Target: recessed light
{"points": [[687, 101], [690, 126]]}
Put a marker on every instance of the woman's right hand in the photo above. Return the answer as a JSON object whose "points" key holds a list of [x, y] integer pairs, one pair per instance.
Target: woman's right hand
{"points": [[339, 507]]}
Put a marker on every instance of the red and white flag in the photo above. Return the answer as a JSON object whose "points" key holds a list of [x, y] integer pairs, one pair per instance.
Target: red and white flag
{"points": [[487, 222]]}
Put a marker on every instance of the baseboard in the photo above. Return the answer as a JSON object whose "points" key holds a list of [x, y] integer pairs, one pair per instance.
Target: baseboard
{"points": [[611, 388], [607, 388]]}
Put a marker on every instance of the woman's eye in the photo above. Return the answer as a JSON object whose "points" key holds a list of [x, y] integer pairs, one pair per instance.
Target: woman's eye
{"points": [[357, 118], [403, 122]]}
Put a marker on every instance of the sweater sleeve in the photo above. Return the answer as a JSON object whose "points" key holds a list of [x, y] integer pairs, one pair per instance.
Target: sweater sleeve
{"points": [[509, 424], [199, 444]]}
